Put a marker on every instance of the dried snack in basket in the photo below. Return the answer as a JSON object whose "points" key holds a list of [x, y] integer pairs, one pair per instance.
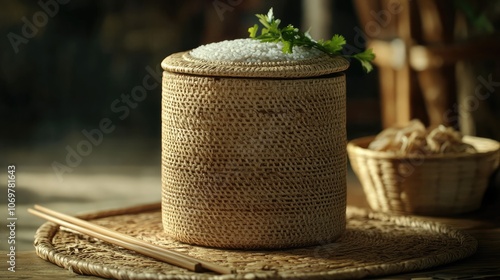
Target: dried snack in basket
{"points": [[442, 140], [384, 140], [415, 139], [408, 139]]}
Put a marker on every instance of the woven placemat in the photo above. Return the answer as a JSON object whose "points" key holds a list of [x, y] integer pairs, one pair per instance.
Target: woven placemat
{"points": [[373, 244]]}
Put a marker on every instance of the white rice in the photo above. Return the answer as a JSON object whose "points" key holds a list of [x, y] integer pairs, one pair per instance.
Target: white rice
{"points": [[251, 50]]}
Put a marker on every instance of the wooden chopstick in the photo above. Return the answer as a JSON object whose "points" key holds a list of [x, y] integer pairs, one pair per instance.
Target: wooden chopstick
{"points": [[128, 242]]}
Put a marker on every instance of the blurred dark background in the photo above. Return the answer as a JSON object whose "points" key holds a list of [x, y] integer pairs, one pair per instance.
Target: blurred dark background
{"points": [[64, 64]]}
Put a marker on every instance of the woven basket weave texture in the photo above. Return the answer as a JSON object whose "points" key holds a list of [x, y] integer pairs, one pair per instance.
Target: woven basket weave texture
{"points": [[374, 244], [429, 185], [253, 162]]}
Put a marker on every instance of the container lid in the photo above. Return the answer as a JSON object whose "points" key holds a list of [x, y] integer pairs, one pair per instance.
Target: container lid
{"points": [[312, 66]]}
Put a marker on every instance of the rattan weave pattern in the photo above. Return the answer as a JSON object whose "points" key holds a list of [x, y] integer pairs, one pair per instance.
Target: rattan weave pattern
{"points": [[253, 163], [184, 63], [374, 244], [441, 184]]}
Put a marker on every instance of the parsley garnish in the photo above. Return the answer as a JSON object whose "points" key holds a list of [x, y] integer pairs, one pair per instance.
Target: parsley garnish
{"points": [[290, 36]]}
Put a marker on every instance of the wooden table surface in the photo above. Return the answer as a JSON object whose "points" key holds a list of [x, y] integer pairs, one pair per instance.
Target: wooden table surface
{"points": [[484, 225]]}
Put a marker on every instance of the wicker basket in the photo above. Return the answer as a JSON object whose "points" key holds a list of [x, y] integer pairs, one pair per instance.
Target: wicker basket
{"points": [[253, 155], [428, 185]]}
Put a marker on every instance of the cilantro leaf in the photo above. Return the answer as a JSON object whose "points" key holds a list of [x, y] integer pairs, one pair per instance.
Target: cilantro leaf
{"points": [[365, 58], [336, 44], [290, 36], [253, 30]]}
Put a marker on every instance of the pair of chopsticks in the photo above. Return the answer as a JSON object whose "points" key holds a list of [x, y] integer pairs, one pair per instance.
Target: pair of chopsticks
{"points": [[128, 242]]}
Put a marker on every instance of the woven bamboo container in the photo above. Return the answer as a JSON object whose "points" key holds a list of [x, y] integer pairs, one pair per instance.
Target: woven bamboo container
{"points": [[428, 185], [253, 154]]}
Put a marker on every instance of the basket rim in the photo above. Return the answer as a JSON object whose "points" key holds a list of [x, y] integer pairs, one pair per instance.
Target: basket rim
{"points": [[359, 146], [183, 62]]}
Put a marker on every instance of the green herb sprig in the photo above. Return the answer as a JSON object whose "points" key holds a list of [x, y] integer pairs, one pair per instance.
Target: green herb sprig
{"points": [[290, 36]]}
